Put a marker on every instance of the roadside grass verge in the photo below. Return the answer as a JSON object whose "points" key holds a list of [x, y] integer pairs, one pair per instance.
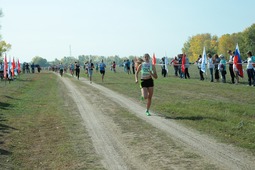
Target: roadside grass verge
{"points": [[40, 128], [225, 111]]}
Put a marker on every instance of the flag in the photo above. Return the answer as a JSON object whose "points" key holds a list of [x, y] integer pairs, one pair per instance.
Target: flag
{"points": [[183, 62], [154, 59], [13, 67], [203, 67], [5, 67], [166, 63], [238, 62], [9, 68]]}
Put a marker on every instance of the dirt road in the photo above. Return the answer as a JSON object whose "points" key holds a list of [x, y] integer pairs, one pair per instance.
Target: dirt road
{"points": [[136, 141]]}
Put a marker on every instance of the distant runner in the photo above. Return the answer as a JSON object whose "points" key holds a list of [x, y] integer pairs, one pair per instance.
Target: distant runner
{"points": [[77, 69], [72, 69], [61, 69], [102, 69], [148, 71], [90, 70]]}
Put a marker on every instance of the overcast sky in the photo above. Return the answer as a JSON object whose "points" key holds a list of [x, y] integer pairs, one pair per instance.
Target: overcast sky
{"points": [[47, 28]]}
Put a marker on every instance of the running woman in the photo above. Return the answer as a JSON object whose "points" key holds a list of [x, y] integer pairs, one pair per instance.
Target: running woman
{"points": [[148, 71], [72, 69], [102, 69], [90, 70]]}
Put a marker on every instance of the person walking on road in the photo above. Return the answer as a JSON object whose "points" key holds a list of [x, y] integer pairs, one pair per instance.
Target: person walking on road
{"points": [[148, 72]]}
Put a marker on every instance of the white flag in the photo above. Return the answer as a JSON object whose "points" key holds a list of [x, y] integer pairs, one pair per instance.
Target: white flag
{"points": [[203, 67], [166, 64]]}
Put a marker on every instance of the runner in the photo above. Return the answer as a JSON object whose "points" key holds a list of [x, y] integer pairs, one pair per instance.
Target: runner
{"points": [[77, 70], [72, 69], [90, 70], [114, 66], [148, 71], [61, 69], [102, 69]]}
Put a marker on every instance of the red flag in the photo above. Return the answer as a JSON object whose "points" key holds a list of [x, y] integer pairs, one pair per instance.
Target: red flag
{"points": [[238, 62], [5, 67], [13, 67], [183, 62], [154, 59]]}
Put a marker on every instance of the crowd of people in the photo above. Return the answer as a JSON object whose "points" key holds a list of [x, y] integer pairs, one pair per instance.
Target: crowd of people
{"points": [[217, 66], [26, 68]]}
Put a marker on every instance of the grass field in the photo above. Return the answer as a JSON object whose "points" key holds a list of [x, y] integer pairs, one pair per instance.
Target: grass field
{"points": [[222, 110], [40, 129], [38, 122]]}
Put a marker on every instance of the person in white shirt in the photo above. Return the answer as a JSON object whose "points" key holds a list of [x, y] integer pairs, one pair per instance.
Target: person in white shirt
{"points": [[210, 65], [250, 68], [230, 62], [199, 62]]}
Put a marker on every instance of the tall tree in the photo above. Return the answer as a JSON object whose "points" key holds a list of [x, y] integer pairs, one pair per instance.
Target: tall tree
{"points": [[197, 43], [249, 38], [186, 47], [39, 60], [4, 47], [226, 42]]}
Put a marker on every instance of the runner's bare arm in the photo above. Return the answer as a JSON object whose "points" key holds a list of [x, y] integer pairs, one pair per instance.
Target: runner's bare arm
{"points": [[136, 73], [154, 72]]}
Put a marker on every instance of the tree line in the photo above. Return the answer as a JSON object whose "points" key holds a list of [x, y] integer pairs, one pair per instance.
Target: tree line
{"points": [[193, 47]]}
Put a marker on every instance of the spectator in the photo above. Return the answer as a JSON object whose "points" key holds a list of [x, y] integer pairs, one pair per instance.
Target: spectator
{"points": [[199, 62], [250, 68], [222, 68], [210, 65], [186, 73], [230, 62], [216, 63], [180, 66], [175, 63], [163, 67]]}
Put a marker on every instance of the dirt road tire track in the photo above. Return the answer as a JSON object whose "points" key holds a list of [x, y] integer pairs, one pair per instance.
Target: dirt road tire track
{"points": [[225, 156]]}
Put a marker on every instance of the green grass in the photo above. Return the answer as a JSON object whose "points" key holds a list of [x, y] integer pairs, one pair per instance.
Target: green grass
{"points": [[40, 127], [225, 111]]}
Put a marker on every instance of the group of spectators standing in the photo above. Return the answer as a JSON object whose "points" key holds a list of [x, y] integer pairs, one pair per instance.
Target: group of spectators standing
{"points": [[217, 66], [177, 63], [26, 68]]}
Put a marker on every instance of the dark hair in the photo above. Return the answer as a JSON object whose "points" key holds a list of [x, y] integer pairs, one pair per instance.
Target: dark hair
{"points": [[249, 53], [209, 55], [216, 56], [147, 55]]}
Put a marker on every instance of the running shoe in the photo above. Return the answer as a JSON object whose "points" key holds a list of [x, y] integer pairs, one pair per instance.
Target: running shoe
{"points": [[147, 113]]}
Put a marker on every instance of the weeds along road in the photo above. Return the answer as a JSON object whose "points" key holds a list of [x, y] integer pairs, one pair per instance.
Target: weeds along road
{"points": [[125, 138]]}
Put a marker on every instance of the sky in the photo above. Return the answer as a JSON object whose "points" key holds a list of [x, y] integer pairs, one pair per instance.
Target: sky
{"points": [[57, 28]]}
